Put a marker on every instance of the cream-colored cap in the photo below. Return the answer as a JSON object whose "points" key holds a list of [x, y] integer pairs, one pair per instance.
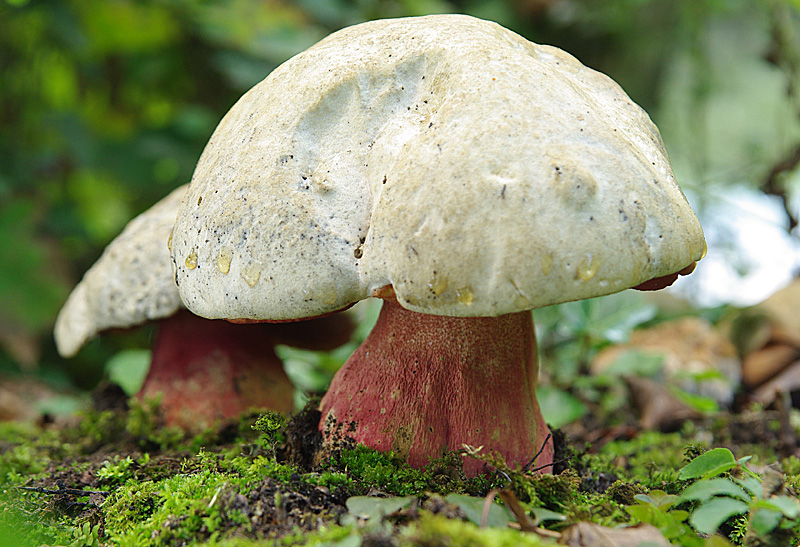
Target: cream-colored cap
{"points": [[131, 283], [476, 172]]}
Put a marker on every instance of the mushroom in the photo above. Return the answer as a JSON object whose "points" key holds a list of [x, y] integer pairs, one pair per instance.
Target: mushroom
{"points": [[459, 172], [203, 370]]}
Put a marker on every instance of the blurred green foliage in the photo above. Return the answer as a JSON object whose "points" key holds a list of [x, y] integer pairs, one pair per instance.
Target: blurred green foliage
{"points": [[105, 106]]}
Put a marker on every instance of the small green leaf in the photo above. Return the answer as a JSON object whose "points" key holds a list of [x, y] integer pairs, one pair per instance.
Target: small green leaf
{"points": [[679, 515], [764, 521], [751, 484], [636, 363], [540, 514], [709, 516], [350, 541], [644, 498], [370, 508], [711, 463], [559, 408], [701, 403], [657, 498], [706, 489], [473, 507], [128, 369], [717, 541], [787, 506], [645, 512]]}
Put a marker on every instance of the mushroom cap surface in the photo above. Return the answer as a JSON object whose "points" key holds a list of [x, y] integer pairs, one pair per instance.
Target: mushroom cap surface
{"points": [[131, 283], [475, 172]]}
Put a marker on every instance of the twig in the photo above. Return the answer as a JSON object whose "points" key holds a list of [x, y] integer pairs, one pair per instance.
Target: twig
{"points": [[523, 520], [527, 467], [519, 512], [535, 469], [783, 402], [785, 55], [771, 186], [487, 505]]}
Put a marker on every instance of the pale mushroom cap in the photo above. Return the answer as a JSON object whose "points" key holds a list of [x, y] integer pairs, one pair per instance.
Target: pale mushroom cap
{"points": [[131, 283], [476, 172]]}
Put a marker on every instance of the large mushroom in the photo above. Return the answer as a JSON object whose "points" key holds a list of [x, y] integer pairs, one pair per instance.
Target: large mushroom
{"points": [[458, 171], [202, 370]]}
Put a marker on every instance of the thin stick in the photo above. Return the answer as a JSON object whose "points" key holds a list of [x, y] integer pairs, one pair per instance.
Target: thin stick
{"points": [[527, 466], [487, 505]]}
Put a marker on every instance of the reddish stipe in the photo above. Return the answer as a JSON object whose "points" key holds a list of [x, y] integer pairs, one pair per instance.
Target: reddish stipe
{"points": [[208, 370], [422, 384]]}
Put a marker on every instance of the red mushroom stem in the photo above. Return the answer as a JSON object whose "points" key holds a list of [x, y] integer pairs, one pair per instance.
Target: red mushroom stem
{"points": [[208, 370], [422, 384]]}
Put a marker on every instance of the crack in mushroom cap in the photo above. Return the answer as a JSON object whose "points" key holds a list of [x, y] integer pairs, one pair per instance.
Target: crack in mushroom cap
{"points": [[474, 171], [131, 283]]}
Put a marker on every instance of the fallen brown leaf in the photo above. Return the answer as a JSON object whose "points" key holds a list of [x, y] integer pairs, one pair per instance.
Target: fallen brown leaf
{"points": [[658, 409], [786, 381], [761, 365], [690, 345], [587, 534]]}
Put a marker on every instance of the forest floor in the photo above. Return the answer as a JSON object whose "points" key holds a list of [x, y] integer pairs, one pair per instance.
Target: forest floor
{"points": [[115, 476]]}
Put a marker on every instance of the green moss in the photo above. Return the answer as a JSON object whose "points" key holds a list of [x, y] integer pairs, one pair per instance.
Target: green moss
{"points": [[24, 527], [555, 491], [791, 465], [95, 429], [326, 535], [174, 511], [144, 425], [623, 493], [651, 459], [369, 468], [384, 471], [215, 496], [129, 506], [436, 530]]}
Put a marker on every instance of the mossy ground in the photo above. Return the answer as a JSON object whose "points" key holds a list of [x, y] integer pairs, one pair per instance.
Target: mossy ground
{"points": [[117, 477]]}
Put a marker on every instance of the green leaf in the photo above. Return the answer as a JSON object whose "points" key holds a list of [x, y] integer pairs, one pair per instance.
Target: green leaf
{"points": [[709, 516], [350, 541], [540, 514], [706, 489], [644, 498], [59, 405], [713, 462], [764, 521], [473, 507], [751, 484], [787, 506], [559, 408], [128, 369], [717, 541], [637, 363], [645, 513], [701, 403], [370, 508], [608, 318], [658, 499]]}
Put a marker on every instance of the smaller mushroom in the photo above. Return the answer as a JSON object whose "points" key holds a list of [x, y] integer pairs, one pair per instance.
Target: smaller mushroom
{"points": [[203, 370]]}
